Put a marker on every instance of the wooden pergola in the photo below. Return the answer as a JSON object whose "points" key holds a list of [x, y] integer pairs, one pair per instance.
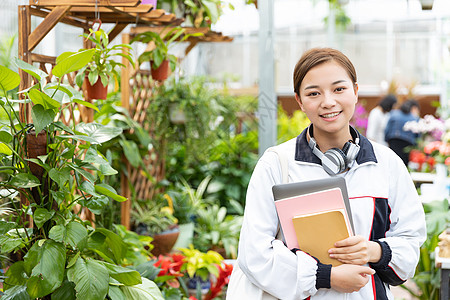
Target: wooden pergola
{"points": [[136, 85]]}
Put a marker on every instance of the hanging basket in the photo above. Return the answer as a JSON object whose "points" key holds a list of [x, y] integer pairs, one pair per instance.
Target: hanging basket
{"points": [[162, 72], [96, 91]]}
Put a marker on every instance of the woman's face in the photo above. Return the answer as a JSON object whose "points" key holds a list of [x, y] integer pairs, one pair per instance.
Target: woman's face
{"points": [[328, 97]]}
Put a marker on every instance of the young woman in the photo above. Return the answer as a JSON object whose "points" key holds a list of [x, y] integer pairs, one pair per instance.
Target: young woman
{"points": [[388, 216]]}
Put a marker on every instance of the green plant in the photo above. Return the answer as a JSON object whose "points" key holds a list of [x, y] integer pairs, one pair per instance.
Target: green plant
{"points": [[163, 45], [199, 13], [55, 253], [217, 230], [201, 263], [153, 217], [289, 127], [102, 65], [427, 277]]}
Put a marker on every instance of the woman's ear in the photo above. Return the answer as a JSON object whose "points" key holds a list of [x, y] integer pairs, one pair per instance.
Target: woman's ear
{"points": [[355, 88], [299, 101]]}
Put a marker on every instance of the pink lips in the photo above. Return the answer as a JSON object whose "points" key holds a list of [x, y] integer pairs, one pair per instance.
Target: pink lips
{"points": [[330, 119]]}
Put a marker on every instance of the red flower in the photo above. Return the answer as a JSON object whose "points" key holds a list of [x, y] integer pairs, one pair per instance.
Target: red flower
{"points": [[170, 265], [447, 161], [223, 279]]}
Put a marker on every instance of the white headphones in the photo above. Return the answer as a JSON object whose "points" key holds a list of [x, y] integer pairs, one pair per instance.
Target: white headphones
{"points": [[335, 160]]}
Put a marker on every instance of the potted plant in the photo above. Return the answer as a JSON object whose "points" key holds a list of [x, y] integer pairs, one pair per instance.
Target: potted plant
{"points": [[218, 231], [197, 13], [98, 72], [155, 219], [55, 254], [161, 61], [199, 266]]}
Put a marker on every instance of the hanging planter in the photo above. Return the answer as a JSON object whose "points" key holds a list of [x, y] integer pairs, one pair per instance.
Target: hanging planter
{"points": [[176, 114], [95, 91], [162, 72]]}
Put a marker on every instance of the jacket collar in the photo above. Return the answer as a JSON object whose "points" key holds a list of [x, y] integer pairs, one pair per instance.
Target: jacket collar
{"points": [[304, 153]]}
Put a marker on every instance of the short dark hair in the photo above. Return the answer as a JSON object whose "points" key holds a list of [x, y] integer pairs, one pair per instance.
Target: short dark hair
{"points": [[408, 105], [388, 102]]}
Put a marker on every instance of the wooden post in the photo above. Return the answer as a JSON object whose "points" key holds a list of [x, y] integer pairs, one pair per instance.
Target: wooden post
{"points": [[125, 96], [24, 54]]}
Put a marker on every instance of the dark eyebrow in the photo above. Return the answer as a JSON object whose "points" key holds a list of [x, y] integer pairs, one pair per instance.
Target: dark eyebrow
{"points": [[316, 86]]}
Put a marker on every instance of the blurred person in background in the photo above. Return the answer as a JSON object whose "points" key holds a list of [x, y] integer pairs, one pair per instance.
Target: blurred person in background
{"points": [[378, 118], [398, 139]]}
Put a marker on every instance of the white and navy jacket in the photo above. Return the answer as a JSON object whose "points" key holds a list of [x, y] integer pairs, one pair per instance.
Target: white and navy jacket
{"points": [[385, 208]]}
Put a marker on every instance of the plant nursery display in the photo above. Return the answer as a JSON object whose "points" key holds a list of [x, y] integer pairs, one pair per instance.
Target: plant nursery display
{"points": [[50, 172], [102, 66]]}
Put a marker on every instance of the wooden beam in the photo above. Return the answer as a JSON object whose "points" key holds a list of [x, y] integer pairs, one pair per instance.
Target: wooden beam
{"points": [[116, 31], [46, 25], [43, 58], [164, 29], [191, 46], [155, 13], [85, 2], [143, 8], [66, 20]]}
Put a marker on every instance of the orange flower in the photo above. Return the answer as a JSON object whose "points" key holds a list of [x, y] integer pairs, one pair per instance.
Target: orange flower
{"points": [[432, 146]]}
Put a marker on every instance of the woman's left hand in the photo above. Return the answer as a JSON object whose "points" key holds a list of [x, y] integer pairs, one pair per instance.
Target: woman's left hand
{"points": [[356, 250]]}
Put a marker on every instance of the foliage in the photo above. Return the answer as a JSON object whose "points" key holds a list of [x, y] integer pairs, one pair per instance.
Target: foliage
{"points": [[201, 263], [163, 44], [427, 279], [342, 20], [102, 64], [198, 13], [215, 230], [58, 253], [6, 50], [138, 246], [155, 215], [290, 127]]}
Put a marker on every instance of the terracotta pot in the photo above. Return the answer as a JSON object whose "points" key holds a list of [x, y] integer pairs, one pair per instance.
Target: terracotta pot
{"points": [[163, 242], [96, 91], [162, 72]]}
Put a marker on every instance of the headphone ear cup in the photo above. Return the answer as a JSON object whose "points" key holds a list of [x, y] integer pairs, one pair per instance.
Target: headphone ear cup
{"points": [[338, 157], [351, 151]]}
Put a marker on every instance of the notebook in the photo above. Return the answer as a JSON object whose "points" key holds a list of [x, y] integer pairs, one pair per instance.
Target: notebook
{"points": [[320, 201], [317, 232]]}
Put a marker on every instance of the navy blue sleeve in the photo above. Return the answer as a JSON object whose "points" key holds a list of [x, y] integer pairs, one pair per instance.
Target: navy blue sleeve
{"points": [[382, 268]]}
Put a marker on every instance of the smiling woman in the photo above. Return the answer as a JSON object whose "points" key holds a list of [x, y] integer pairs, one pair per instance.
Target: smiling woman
{"points": [[380, 191]]}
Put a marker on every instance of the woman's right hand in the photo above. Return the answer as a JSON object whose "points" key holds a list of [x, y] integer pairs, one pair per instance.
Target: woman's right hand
{"points": [[349, 278]]}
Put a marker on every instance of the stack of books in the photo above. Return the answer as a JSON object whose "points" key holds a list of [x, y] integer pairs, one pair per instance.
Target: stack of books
{"points": [[314, 215]]}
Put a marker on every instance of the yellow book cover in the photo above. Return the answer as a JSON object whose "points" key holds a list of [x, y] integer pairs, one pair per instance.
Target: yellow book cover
{"points": [[317, 233]]}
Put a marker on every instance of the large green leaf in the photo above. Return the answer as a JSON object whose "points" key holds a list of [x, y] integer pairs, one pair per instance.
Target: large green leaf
{"points": [[42, 215], [4, 149], [111, 244], [5, 136], [18, 292], [123, 275], [131, 150], [48, 274], [91, 279], [6, 226], [92, 156], [70, 234], [99, 133], [147, 290], [60, 176], [107, 190], [8, 79], [72, 62], [89, 176], [15, 275], [95, 203], [41, 117], [24, 180], [115, 293], [66, 291], [30, 69], [38, 97]]}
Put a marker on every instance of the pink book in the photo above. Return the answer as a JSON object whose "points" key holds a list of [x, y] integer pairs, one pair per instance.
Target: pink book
{"points": [[292, 207]]}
